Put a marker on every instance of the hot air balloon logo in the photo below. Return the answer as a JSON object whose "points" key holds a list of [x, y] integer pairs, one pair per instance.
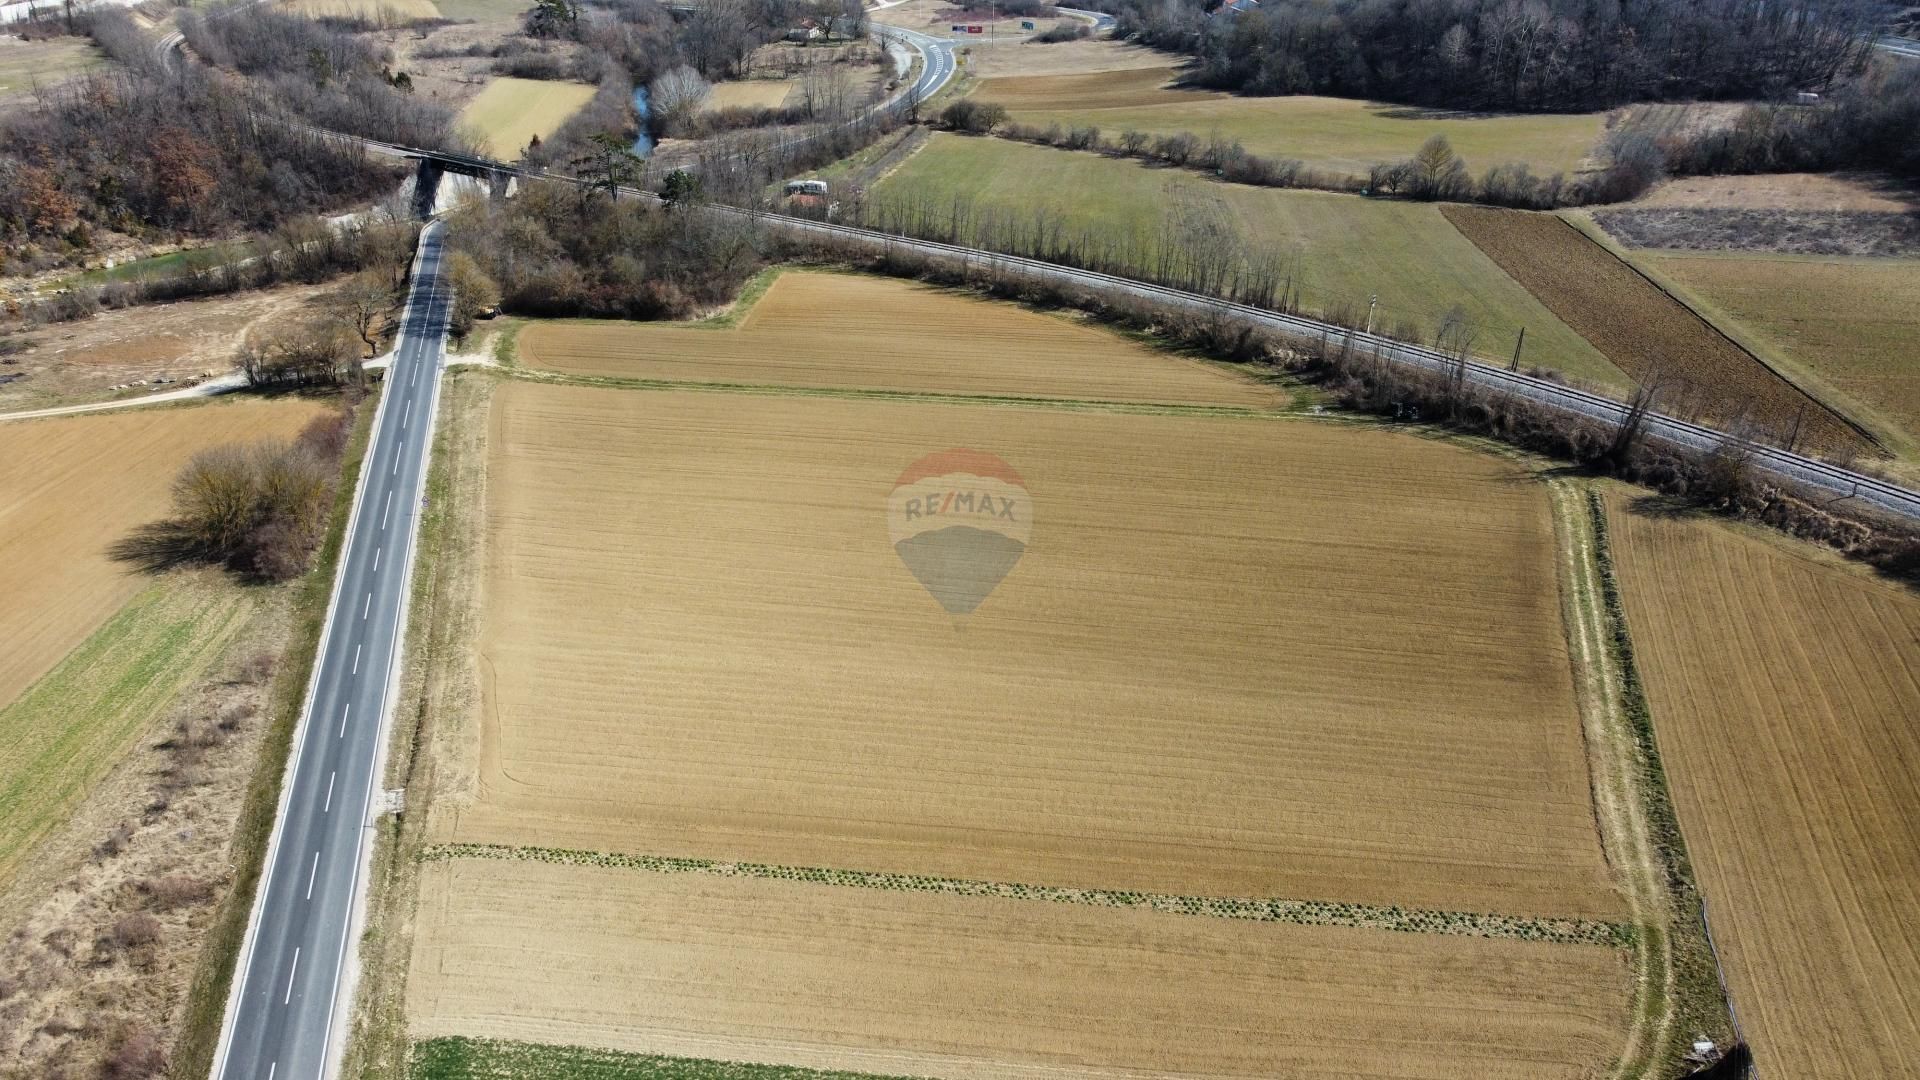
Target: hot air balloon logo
{"points": [[960, 520]]}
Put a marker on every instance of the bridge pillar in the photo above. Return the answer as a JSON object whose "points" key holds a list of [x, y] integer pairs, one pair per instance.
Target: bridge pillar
{"points": [[426, 185]]}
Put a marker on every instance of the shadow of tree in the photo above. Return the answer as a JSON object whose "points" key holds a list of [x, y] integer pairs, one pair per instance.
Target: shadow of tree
{"points": [[159, 547], [1666, 507]]}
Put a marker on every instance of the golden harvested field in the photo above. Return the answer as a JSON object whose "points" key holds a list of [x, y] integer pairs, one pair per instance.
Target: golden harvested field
{"points": [[509, 112], [1854, 324], [1784, 691], [69, 488], [844, 330], [1647, 333], [749, 94], [961, 988], [1338, 136], [1780, 191], [1215, 671]]}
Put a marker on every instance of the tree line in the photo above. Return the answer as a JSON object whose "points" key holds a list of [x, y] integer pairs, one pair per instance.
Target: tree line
{"points": [[147, 152], [1564, 55], [321, 72]]}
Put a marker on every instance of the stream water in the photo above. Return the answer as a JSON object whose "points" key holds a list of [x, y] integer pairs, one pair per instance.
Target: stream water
{"points": [[644, 144]]}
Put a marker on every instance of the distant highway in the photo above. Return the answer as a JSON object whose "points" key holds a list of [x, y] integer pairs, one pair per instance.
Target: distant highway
{"points": [[1899, 46], [1102, 22], [286, 1008]]}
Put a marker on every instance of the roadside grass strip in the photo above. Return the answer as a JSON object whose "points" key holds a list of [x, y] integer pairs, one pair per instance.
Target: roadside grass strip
{"points": [[74, 725], [1254, 909], [463, 1058], [1133, 408]]}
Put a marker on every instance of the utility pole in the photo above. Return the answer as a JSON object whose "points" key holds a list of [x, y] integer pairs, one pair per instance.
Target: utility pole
{"points": [[1516, 350]]}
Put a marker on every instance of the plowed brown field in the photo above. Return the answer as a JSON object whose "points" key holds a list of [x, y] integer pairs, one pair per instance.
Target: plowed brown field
{"points": [[842, 330], [1785, 693], [963, 988], [1648, 334], [1238, 657], [69, 488]]}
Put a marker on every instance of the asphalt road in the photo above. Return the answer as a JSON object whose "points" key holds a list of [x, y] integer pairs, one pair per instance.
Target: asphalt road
{"points": [[1900, 46], [287, 999], [937, 56], [1102, 22]]}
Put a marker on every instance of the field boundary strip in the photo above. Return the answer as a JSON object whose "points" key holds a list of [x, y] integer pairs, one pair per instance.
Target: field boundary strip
{"points": [[1253, 909], [1694, 996], [929, 397], [462, 1057]]}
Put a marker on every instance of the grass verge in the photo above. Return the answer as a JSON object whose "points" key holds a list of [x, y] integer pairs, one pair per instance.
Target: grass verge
{"points": [[206, 1002], [440, 628], [459, 1058], [1677, 994], [73, 726]]}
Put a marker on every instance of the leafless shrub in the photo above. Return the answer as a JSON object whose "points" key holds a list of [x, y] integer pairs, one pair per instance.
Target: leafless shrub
{"points": [[176, 891], [137, 1054], [259, 667], [135, 931], [115, 842], [973, 117], [258, 508]]}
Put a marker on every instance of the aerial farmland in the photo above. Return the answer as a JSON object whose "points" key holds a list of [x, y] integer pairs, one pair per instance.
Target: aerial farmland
{"points": [[1273, 756], [934, 540]]}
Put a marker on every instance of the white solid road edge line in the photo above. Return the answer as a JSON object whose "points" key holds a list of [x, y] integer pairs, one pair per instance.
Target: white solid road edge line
{"points": [[348, 973], [245, 959]]}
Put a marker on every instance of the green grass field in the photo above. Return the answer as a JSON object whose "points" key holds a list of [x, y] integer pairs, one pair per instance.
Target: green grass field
{"points": [[155, 266], [459, 1058], [1848, 329], [483, 10], [74, 725], [26, 64], [1344, 248], [510, 112], [1337, 136]]}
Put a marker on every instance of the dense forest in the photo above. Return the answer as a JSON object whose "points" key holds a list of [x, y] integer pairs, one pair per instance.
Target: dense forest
{"points": [[1513, 54]]}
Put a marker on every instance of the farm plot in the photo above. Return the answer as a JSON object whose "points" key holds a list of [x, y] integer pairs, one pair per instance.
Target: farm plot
{"points": [[1648, 333], [509, 112], [1340, 137], [1217, 670], [71, 487], [1850, 324], [84, 361], [916, 985], [1337, 250], [1783, 690], [25, 65], [843, 330]]}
